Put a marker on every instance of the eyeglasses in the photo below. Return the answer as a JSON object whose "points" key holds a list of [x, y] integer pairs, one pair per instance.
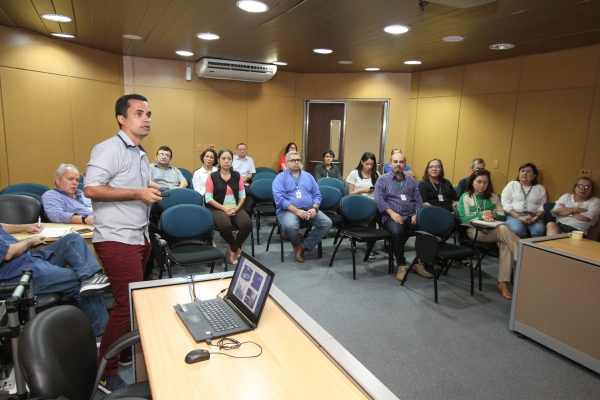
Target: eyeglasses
{"points": [[163, 155], [434, 167], [586, 187], [295, 160]]}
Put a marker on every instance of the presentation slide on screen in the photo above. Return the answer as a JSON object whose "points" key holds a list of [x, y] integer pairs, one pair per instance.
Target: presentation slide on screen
{"points": [[250, 284]]}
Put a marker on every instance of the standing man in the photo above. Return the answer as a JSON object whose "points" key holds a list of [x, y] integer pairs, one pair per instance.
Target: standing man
{"points": [[476, 165], [117, 181], [164, 175], [398, 199], [244, 164], [66, 204], [297, 197]]}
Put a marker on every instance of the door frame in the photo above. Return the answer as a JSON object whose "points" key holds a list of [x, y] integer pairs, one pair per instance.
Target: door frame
{"points": [[384, 127]]}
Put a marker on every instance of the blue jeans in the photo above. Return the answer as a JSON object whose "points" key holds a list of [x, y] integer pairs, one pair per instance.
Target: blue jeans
{"points": [[73, 250], [537, 229], [290, 223], [398, 232]]}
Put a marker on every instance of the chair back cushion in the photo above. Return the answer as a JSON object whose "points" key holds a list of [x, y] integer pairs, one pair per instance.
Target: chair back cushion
{"points": [[19, 209], [57, 354], [188, 177], [265, 169], [181, 196], [336, 183], [262, 190], [331, 197], [186, 221], [357, 208], [264, 175], [548, 212], [26, 187], [435, 220]]}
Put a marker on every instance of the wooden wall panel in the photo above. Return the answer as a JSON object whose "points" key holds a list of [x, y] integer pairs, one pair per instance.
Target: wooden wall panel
{"points": [[485, 131], [493, 77], [363, 132], [409, 148], [172, 124], [414, 85], [298, 122], [270, 129], [591, 158], [37, 119], [91, 125], [560, 69], [4, 179], [24, 50], [88, 63], [161, 73], [441, 82], [435, 132], [550, 131], [219, 85], [282, 84]]}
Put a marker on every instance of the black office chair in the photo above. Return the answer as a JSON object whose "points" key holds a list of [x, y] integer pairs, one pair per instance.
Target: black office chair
{"points": [[19, 209], [548, 207], [435, 227], [57, 363], [26, 187]]}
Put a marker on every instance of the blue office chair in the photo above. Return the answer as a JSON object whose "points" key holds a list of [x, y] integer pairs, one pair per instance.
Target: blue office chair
{"points": [[262, 191], [188, 177], [435, 226], [336, 183], [186, 228], [263, 175], [26, 187], [357, 212], [176, 196], [330, 206], [265, 169]]}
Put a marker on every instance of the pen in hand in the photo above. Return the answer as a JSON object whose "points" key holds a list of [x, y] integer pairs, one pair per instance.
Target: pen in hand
{"points": [[39, 222]]}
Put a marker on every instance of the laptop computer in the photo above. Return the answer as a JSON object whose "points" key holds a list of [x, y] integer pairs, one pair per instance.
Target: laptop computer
{"points": [[238, 311]]}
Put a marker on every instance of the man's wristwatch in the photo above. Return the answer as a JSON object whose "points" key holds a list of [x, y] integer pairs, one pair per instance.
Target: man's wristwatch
{"points": [[83, 217], [316, 208]]}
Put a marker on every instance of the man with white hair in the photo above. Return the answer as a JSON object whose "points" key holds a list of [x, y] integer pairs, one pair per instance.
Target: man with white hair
{"points": [[66, 204]]}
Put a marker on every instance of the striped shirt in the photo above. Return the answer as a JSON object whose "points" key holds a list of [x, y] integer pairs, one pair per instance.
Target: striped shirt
{"points": [[388, 195]]}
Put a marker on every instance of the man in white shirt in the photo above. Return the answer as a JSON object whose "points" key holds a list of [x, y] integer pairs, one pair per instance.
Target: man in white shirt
{"points": [[244, 164]]}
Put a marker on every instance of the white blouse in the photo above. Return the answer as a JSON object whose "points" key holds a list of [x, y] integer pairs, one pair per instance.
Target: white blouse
{"points": [[513, 197], [199, 179], [592, 206], [360, 183]]}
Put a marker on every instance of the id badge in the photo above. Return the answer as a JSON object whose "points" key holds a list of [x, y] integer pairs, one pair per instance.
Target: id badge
{"points": [[440, 197], [403, 197], [298, 195]]}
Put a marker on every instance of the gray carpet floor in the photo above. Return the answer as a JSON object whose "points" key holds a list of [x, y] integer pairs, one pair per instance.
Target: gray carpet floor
{"points": [[460, 348]]}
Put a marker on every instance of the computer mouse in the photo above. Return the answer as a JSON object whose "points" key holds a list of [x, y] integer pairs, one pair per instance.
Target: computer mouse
{"points": [[197, 355]]}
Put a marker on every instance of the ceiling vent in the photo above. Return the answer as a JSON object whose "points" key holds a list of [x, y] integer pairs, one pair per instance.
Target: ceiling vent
{"points": [[235, 70]]}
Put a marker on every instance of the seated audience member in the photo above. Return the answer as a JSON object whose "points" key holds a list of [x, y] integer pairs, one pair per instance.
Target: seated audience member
{"points": [[327, 169], [244, 165], [523, 202], [209, 159], [575, 212], [225, 197], [407, 170], [478, 202], [297, 197], [476, 164], [84, 281], [66, 204], [398, 201], [290, 147], [435, 189], [163, 175], [362, 179]]}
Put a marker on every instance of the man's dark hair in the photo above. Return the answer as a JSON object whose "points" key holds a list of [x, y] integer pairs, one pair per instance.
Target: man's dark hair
{"points": [[165, 148], [123, 105]]}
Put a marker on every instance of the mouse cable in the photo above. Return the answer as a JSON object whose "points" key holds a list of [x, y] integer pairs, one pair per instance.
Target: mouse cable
{"points": [[228, 343]]}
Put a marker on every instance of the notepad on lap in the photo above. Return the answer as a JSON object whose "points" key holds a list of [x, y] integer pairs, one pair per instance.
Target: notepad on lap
{"points": [[484, 224], [54, 232]]}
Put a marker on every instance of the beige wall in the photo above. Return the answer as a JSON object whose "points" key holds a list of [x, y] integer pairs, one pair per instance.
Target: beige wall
{"points": [[543, 109], [363, 132]]}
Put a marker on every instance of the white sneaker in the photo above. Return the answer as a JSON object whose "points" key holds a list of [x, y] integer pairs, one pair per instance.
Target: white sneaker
{"points": [[95, 285]]}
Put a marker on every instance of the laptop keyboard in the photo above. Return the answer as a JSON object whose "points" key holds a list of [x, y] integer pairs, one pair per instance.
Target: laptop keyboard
{"points": [[218, 316]]}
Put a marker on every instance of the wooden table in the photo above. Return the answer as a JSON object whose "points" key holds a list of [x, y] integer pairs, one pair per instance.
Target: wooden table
{"points": [[556, 299], [74, 227], [299, 359]]}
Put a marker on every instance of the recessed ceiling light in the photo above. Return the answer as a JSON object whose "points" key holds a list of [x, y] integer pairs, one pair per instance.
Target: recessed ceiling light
{"points": [[412, 62], [184, 53], [207, 36], [133, 37], [323, 51], [502, 46], [396, 29], [453, 38], [252, 6], [63, 35], [279, 63], [345, 62], [371, 69], [56, 17]]}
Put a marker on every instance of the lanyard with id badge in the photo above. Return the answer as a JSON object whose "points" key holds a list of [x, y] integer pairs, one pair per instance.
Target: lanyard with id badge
{"points": [[440, 195], [402, 196], [298, 192]]}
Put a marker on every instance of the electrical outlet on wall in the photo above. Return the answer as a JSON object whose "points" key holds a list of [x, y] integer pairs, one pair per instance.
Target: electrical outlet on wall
{"points": [[212, 146], [585, 172]]}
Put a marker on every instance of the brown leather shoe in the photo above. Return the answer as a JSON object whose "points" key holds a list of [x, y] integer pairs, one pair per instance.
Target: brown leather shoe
{"points": [[420, 269], [401, 272], [299, 250]]}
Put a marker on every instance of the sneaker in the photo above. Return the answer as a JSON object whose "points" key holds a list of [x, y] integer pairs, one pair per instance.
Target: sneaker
{"points": [[420, 269], [125, 361], [95, 285], [109, 384], [401, 272]]}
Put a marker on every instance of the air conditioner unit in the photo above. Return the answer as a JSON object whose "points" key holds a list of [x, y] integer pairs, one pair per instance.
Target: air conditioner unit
{"points": [[234, 70]]}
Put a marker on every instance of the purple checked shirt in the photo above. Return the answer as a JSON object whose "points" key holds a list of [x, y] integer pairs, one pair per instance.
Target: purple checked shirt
{"points": [[388, 191]]}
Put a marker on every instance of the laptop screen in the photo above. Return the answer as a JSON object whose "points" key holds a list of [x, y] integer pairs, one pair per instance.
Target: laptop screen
{"points": [[250, 287]]}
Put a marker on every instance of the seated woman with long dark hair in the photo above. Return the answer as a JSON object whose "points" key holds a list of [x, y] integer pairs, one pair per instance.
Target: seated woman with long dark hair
{"points": [[478, 202], [224, 196], [362, 179], [282, 163]]}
